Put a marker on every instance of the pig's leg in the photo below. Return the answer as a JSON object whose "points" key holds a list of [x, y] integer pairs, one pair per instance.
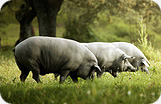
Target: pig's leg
{"points": [[56, 75], [24, 74], [114, 74], [36, 72], [74, 78], [63, 76], [93, 74], [24, 71]]}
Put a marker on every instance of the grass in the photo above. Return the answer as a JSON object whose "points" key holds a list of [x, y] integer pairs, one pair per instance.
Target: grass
{"points": [[127, 88]]}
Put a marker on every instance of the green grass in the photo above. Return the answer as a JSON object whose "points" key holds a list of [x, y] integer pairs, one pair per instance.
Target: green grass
{"points": [[127, 88]]}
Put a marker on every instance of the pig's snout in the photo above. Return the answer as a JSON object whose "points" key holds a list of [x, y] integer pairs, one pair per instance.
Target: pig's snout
{"points": [[114, 74]]}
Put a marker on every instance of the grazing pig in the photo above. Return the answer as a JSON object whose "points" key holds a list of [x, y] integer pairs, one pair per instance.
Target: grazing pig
{"points": [[110, 58], [130, 49], [43, 55]]}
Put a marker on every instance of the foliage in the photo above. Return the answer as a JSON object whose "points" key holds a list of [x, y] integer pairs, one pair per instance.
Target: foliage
{"points": [[83, 20], [7, 14], [79, 19], [115, 29], [79, 32], [145, 8]]}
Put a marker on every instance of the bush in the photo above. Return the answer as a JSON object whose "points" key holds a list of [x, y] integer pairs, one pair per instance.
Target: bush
{"points": [[115, 29], [80, 32], [79, 20]]}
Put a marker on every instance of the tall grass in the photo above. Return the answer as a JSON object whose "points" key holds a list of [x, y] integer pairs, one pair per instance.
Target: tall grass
{"points": [[146, 46], [143, 35]]}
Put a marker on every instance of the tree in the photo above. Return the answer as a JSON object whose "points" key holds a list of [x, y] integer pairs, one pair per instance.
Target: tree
{"points": [[46, 12], [24, 16]]}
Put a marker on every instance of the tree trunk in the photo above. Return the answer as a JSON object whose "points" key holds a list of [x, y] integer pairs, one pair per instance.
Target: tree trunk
{"points": [[0, 43], [25, 16], [46, 11]]}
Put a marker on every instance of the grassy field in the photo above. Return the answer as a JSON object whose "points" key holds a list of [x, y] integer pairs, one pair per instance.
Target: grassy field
{"points": [[127, 88]]}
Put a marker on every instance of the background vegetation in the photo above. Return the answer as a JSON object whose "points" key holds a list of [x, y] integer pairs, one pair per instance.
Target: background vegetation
{"points": [[134, 21]]}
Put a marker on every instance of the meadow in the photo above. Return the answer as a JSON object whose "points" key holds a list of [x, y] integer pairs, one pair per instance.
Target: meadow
{"points": [[128, 88]]}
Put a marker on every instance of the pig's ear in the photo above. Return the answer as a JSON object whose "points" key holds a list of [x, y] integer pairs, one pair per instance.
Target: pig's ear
{"points": [[97, 68], [143, 61], [124, 56]]}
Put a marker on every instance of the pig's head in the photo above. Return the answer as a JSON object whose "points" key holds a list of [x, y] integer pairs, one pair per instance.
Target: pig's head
{"points": [[144, 66], [94, 68], [99, 74], [122, 64], [87, 71]]}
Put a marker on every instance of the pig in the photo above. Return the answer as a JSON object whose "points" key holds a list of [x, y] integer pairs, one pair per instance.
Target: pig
{"points": [[130, 49], [110, 59], [43, 55]]}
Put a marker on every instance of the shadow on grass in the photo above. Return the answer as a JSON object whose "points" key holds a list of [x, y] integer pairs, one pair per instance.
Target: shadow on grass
{"points": [[6, 48]]}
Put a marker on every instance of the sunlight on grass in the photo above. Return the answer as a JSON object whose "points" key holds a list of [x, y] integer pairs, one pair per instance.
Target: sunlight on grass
{"points": [[127, 88]]}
